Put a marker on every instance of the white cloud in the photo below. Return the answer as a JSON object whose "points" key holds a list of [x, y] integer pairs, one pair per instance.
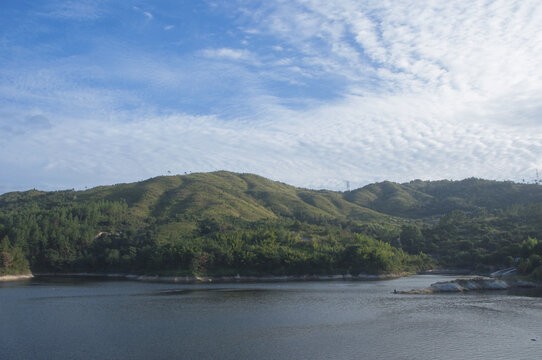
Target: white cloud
{"points": [[351, 140], [228, 53], [489, 50], [147, 14]]}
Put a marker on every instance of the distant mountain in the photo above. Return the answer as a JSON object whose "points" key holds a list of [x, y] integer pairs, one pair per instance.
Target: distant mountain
{"points": [[434, 198]]}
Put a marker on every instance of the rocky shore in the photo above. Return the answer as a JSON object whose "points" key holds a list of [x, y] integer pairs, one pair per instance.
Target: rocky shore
{"points": [[16, 277], [472, 284], [227, 279]]}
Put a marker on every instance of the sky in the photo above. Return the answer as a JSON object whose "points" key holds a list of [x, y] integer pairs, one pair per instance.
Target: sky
{"points": [[313, 93]]}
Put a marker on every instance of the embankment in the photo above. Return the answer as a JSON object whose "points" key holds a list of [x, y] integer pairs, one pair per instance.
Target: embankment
{"points": [[472, 284], [16, 277], [227, 279]]}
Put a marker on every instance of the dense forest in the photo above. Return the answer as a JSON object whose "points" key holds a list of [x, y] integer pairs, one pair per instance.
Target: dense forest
{"points": [[224, 223]]}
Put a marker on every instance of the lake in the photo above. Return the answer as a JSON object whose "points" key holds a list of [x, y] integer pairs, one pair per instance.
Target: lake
{"points": [[74, 318]]}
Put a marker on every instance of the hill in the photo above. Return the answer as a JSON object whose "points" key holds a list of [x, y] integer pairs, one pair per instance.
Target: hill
{"points": [[418, 199], [219, 194], [224, 222]]}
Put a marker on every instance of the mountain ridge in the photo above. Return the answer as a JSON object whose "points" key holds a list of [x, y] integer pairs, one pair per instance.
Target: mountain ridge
{"points": [[252, 196]]}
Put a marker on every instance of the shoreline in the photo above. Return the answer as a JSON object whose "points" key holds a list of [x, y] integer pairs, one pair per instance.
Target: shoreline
{"points": [[16, 277], [225, 279], [447, 272], [474, 284]]}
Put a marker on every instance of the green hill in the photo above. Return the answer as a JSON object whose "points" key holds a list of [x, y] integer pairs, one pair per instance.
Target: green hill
{"points": [[219, 195], [418, 198], [223, 222]]}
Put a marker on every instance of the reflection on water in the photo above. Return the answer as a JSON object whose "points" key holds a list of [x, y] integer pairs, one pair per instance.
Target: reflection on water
{"points": [[532, 292], [228, 291], [91, 318]]}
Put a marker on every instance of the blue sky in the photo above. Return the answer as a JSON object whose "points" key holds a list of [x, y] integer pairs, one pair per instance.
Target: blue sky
{"points": [[312, 93]]}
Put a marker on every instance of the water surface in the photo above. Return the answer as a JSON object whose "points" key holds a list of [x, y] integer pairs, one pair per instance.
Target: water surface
{"points": [[67, 318]]}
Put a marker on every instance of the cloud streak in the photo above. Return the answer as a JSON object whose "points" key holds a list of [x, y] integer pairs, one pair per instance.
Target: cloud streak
{"points": [[147, 14]]}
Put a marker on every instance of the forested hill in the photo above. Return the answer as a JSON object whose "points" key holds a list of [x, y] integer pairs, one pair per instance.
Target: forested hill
{"points": [[223, 222], [251, 197], [221, 195], [435, 198]]}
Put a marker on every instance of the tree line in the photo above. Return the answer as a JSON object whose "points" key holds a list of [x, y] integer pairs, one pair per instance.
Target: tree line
{"points": [[67, 235]]}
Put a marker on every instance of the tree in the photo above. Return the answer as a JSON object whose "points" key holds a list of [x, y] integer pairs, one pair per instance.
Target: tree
{"points": [[412, 239], [6, 259]]}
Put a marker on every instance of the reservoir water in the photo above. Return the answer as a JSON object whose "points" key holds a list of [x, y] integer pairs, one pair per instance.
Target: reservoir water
{"points": [[69, 318]]}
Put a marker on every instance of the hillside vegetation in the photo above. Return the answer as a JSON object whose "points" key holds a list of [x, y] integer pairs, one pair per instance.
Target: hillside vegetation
{"points": [[227, 223]]}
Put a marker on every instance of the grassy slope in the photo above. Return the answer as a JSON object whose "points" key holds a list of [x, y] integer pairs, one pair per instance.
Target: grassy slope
{"points": [[223, 195], [178, 201]]}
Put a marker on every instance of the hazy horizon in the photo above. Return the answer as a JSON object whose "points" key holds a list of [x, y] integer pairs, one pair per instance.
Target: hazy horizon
{"points": [[346, 186]]}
